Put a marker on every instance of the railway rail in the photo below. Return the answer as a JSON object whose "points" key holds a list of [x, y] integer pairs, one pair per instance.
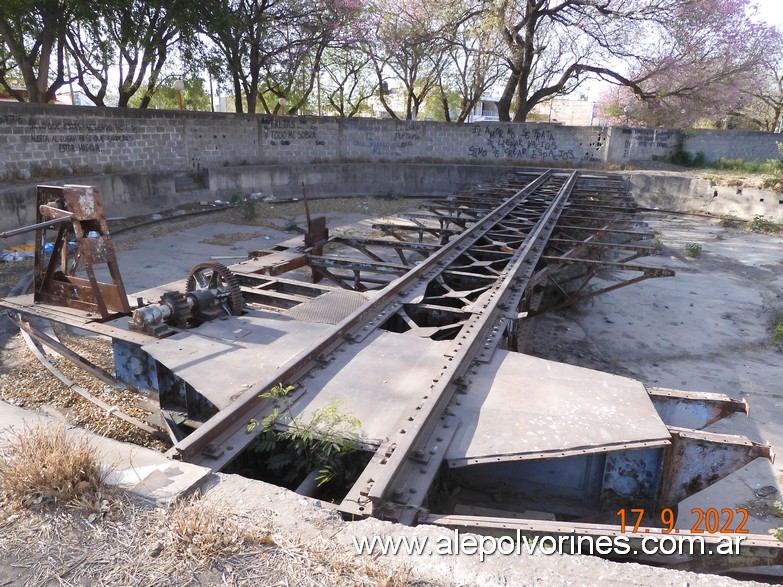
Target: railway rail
{"points": [[419, 334]]}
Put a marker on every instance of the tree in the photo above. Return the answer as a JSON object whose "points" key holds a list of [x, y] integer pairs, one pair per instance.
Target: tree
{"points": [[410, 43], [33, 33], [473, 65], [716, 54], [272, 49], [763, 104], [551, 47], [345, 82], [136, 36], [194, 97], [665, 51]]}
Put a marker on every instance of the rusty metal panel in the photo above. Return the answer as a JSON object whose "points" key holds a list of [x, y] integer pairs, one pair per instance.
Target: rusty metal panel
{"points": [[631, 478], [694, 409], [521, 407], [698, 459], [223, 358], [329, 308]]}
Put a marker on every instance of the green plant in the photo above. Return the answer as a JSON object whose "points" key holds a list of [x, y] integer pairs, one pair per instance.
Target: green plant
{"points": [[291, 225], [729, 222], [236, 199], [764, 226], [248, 209], [776, 168], [295, 446], [693, 250], [777, 334]]}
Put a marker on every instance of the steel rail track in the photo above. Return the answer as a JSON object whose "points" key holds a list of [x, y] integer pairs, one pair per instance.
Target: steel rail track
{"points": [[395, 483], [223, 437]]}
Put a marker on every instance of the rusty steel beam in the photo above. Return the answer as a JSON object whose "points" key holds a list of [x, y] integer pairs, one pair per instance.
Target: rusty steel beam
{"points": [[694, 409], [754, 550], [224, 433], [697, 459], [396, 481]]}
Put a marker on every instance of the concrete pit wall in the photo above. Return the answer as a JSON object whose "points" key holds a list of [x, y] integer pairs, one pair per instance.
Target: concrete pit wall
{"points": [[148, 160], [671, 191]]}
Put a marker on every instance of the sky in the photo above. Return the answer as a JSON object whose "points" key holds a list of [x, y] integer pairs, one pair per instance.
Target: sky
{"points": [[771, 11]]}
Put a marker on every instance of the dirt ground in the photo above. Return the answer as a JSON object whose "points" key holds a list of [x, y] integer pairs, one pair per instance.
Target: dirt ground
{"points": [[707, 329]]}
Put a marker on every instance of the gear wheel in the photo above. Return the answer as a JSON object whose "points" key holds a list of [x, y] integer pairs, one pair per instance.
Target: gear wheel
{"points": [[213, 275], [179, 305]]}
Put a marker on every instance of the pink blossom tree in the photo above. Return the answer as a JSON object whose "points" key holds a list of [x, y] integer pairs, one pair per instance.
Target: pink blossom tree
{"points": [[710, 54], [668, 52]]}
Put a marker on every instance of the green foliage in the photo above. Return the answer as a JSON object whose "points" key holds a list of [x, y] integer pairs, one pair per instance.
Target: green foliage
{"points": [[687, 159], [294, 447], [777, 333], [764, 226], [693, 250], [777, 509], [292, 225], [771, 307], [776, 168], [729, 221], [165, 97], [741, 165]]}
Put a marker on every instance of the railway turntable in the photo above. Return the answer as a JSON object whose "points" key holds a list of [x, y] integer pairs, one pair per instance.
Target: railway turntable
{"points": [[417, 335]]}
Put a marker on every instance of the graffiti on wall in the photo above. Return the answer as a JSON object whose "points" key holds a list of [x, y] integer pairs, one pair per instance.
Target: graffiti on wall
{"points": [[398, 141], [509, 142], [285, 131], [646, 141], [71, 136]]}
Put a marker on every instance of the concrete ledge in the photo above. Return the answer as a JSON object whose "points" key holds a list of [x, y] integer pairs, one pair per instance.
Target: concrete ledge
{"points": [[677, 191], [130, 194], [139, 470]]}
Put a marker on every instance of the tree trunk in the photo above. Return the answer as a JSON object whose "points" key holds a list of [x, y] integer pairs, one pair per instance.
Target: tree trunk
{"points": [[504, 104]]}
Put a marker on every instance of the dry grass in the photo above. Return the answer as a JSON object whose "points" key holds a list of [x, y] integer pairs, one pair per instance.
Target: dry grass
{"points": [[43, 464], [192, 543], [196, 531]]}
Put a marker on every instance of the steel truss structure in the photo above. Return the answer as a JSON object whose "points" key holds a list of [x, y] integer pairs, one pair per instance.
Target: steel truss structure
{"points": [[419, 334]]}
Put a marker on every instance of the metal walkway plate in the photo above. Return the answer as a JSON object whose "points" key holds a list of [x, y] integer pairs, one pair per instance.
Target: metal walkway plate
{"points": [[329, 308], [222, 358], [521, 407], [378, 384]]}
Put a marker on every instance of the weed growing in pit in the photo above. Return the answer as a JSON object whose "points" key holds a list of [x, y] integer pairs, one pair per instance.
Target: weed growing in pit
{"points": [[296, 447], [764, 226], [693, 250], [291, 225], [729, 221], [43, 464]]}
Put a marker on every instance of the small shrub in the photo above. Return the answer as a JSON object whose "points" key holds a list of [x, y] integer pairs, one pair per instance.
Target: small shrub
{"points": [[43, 464], [248, 209], [693, 250], [323, 443], [729, 222], [291, 225], [777, 334], [764, 226]]}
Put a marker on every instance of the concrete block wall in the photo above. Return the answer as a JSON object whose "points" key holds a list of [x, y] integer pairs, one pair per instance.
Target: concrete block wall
{"points": [[641, 144], [59, 141], [750, 146]]}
